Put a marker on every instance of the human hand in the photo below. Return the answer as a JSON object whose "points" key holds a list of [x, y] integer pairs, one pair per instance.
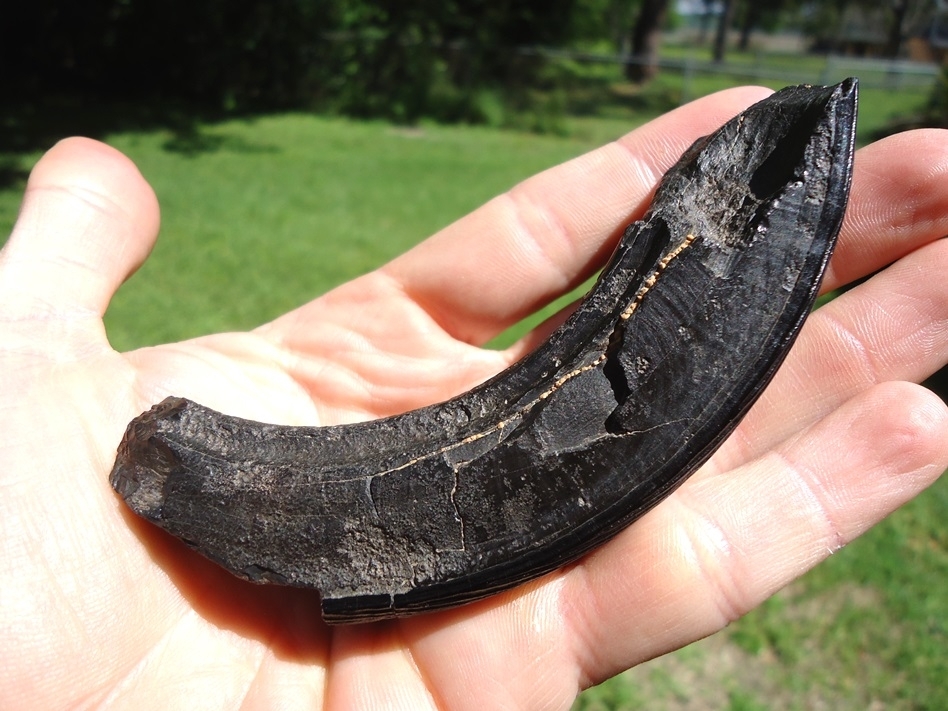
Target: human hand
{"points": [[98, 608]]}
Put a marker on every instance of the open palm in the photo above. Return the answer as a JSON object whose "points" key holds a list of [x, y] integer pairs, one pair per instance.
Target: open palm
{"points": [[100, 609]]}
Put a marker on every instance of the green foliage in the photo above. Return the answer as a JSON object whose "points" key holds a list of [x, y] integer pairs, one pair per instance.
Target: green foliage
{"points": [[937, 111], [216, 51], [459, 61], [359, 57]]}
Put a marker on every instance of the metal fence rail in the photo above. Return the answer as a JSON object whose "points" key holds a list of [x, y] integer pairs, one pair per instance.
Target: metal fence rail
{"points": [[896, 74]]}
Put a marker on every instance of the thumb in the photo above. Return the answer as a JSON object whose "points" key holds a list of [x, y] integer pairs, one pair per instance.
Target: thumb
{"points": [[88, 220]]}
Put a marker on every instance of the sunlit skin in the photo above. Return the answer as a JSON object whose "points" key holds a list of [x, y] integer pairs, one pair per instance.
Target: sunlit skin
{"points": [[98, 609]]}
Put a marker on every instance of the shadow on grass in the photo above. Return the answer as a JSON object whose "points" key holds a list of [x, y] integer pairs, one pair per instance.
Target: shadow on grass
{"points": [[31, 121], [29, 124], [592, 91], [192, 141], [11, 172]]}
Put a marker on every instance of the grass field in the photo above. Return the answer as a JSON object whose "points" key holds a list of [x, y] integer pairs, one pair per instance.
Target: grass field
{"points": [[261, 215]]}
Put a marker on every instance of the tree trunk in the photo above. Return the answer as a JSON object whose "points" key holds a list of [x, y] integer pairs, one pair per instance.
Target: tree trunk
{"points": [[646, 37], [899, 10], [749, 21], [724, 24], [705, 21], [620, 16]]}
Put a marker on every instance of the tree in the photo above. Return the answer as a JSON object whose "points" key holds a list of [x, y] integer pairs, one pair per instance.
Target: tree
{"points": [[725, 20], [756, 15], [646, 38], [619, 14], [899, 11]]}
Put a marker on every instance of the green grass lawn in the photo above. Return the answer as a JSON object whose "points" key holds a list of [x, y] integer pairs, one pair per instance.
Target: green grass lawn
{"points": [[285, 208], [262, 215]]}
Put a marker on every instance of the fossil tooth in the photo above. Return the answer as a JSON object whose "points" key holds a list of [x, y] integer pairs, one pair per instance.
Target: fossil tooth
{"points": [[450, 503]]}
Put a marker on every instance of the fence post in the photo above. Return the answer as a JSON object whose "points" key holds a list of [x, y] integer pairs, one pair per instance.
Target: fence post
{"points": [[828, 70], [686, 77]]}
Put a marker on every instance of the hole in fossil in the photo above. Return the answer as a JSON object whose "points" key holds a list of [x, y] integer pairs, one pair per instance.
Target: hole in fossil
{"points": [[784, 160], [613, 369]]}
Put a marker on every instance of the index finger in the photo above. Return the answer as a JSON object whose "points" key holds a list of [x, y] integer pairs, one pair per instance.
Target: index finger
{"points": [[546, 235]]}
